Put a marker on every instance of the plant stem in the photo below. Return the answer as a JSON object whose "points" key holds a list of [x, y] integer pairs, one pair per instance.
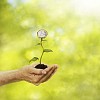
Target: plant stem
{"points": [[42, 50], [41, 56]]}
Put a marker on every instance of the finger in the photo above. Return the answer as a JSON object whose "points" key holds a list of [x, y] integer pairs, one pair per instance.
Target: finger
{"points": [[54, 67], [39, 77], [37, 84], [36, 71], [49, 77], [39, 71], [45, 77], [34, 79], [46, 70]]}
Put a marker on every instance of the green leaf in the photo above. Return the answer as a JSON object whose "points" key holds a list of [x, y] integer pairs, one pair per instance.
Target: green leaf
{"points": [[38, 44], [44, 40], [34, 59], [47, 50]]}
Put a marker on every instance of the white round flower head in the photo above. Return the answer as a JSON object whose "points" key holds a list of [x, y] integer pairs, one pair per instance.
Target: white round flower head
{"points": [[42, 33]]}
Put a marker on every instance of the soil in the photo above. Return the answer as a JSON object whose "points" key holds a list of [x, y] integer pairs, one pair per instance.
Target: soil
{"points": [[41, 66]]}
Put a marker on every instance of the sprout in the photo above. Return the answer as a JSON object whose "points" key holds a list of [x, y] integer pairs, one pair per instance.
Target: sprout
{"points": [[41, 34]]}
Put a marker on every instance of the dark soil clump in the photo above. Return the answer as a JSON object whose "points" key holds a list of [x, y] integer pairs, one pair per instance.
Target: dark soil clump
{"points": [[41, 66]]}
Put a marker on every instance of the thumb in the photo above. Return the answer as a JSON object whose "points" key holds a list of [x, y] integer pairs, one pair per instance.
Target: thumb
{"points": [[37, 71]]}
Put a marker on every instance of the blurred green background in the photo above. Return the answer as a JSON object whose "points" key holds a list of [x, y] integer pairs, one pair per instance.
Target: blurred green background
{"points": [[73, 34]]}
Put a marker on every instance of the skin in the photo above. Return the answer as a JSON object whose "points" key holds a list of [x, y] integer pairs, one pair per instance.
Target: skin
{"points": [[29, 74]]}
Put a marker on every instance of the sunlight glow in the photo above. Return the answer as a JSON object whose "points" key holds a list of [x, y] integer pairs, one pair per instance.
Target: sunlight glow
{"points": [[86, 7]]}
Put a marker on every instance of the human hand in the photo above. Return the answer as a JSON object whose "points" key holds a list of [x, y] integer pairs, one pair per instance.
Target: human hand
{"points": [[36, 76]]}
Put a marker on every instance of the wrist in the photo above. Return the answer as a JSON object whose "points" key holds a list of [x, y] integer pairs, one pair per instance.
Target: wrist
{"points": [[18, 75]]}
